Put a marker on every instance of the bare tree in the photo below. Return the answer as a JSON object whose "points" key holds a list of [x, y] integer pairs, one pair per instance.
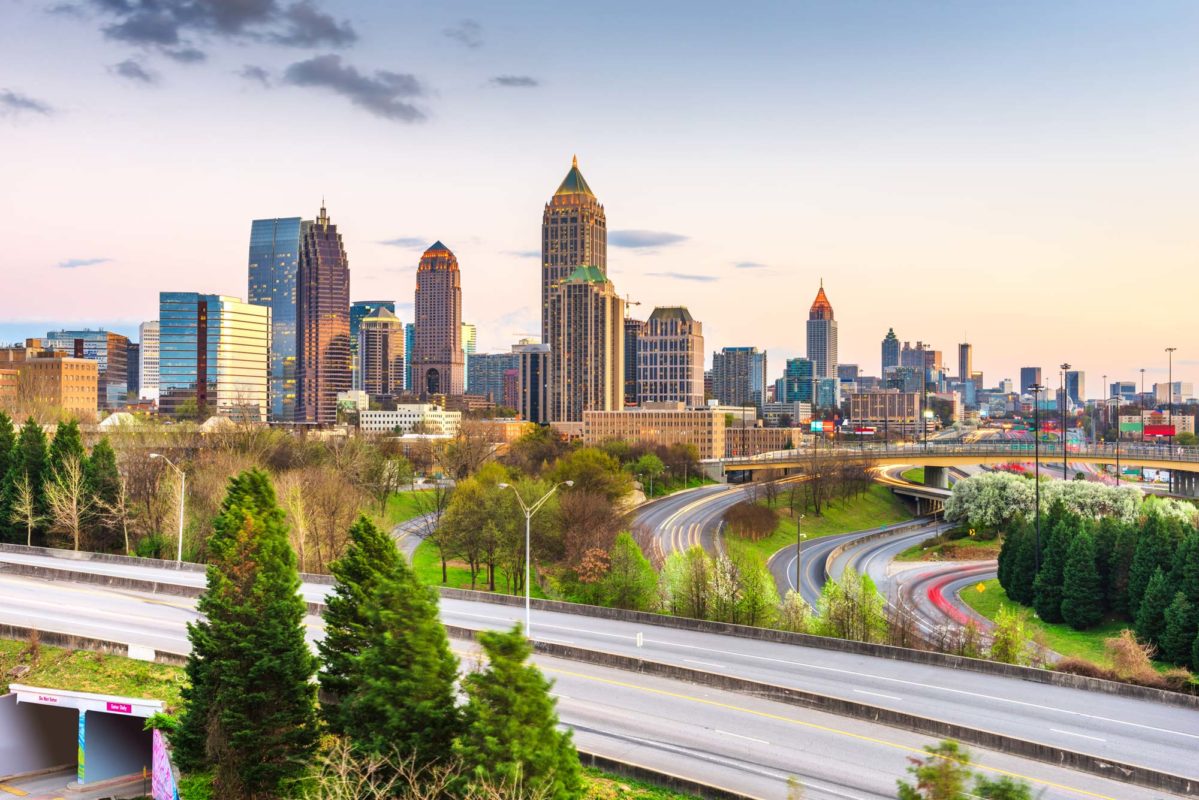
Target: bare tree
{"points": [[589, 522], [69, 500], [24, 509], [431, 505], [118, 513], [468, 450]]}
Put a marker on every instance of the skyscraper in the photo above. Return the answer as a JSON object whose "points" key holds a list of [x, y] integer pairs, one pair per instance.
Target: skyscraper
{"points": [[133, 369], [485, 374], [360, 310], [822, 336], [437, 359], [470, 339], [148, 336], [214, 356], [574, 233], [1076, 387], [890, 351], [1030, 376], [381, 353], [274, 264], [409, 347], [670, 358], [322, 322], [632, 335], [108, 350], [798, 382], [739, 376], [965, 362], [533, 381], [586, 329]]}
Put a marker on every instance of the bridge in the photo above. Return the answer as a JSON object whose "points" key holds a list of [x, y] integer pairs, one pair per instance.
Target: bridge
{"points": [[1181, 462]]}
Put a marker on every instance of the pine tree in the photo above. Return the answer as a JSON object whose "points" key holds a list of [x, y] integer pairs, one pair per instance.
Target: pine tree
{"points": [[1150, 623], [1115, 542], [511, 737], [1153, 551], [67, 444], [403, 699], [1181, 626], [1007, 555], [1047, 588], [8, 446], [1023, 572], [1082, 593], [104, 485], [8, 442], [250, 711]]}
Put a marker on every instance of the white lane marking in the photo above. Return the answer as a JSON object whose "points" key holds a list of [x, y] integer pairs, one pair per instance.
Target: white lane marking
{"points": [[878, 694], [1080, 735], [739, 736], [560, 696], [705, 663], [552, 639]]}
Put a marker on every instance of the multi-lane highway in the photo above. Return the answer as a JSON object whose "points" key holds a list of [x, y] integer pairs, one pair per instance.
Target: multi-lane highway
{"points": [[1154, 735]]}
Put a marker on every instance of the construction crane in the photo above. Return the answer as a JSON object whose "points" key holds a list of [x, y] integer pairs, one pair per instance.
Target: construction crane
{"points": [[629, 301]]}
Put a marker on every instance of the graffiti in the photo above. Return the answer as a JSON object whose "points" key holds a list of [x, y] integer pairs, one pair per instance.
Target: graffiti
{"points": [[82, 729], [164, 779]]}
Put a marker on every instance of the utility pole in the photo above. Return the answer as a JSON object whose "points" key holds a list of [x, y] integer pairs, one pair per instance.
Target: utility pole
{"points": [[1036, 406], [1170, 390], [1065, 403]]}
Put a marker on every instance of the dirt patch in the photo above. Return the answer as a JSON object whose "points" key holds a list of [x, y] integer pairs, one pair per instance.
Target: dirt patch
{"points": [[960, 553]]}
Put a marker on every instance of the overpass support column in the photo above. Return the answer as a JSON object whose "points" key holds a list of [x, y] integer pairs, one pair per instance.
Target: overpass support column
{"points": [[936, 477]]}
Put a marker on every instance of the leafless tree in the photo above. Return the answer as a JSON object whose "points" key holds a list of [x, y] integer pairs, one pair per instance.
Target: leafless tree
{"points": [[69, 500], [588, 521], [431, 505], [468, 450], [118, 514], [24, 509]]}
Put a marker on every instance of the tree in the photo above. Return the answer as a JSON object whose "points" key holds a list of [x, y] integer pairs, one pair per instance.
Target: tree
{"points": [[23, 508], [650, 466], [1150, 621], [1001, 788], [1181, 626], [369, 557], [8, 446], [631, 581], [1082, 594], [28, 458], [511, 735], [1009, 637], [386, 476], [1154, 549], [1047, 588], [104, 486], [67, 444], [69, 500], [532, 453], [431, 505], [588, 521], [1023, 571], [250, 701], [688, 579], [851, 608], [592, 470], [398, 690], [943, 775]]}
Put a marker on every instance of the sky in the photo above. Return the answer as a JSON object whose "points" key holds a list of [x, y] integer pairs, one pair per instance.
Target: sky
{"points": [[1021, 175]]}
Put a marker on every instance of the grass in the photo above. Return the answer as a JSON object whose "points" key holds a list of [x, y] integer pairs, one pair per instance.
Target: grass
{"points": [[914, 475], [81, 671], [877, 507], [427, 565], [965, 549], [403, 506], [1057, 637], [602, 786], [662, 489]]}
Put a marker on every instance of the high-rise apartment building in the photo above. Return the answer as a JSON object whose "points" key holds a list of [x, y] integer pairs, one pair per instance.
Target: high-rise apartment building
{"points": [[360, 310], [586, 339], [965, 362], [1176, 393], [485, 374], [890, 351], [632, 337], [322, 322], [670, 358], [798, 384], [109, 351], [739, 376], [381, 353], [533, 381], [148, 335], [470, 343], [273, 271], [214, 356], [822, 336], [1030, 376], [437, 359], [574, 233]]}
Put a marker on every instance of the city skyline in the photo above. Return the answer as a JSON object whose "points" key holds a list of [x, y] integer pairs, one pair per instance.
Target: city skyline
{"points": [[1066, 214]]}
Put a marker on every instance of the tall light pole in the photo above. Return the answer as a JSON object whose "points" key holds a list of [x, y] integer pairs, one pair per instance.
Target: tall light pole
{"points": [[1106, 410], [799, 537], [1065, 403], [1170, 390], [1036, 412], [529, 512], [182, 497]]}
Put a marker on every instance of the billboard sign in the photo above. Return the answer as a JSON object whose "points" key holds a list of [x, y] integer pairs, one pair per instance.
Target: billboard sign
{"points": [[817, 426], [1159, 430]]}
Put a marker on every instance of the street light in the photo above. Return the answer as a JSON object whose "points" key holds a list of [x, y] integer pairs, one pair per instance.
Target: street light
{"points": [[529, 512], [1036, 438], [1170, 390], [182, 497], [1065, 402], [799, 537]]}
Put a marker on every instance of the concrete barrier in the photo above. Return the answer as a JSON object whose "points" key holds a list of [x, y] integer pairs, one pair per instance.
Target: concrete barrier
{"points": [[840, 549], [72, 642], [657, 777]]}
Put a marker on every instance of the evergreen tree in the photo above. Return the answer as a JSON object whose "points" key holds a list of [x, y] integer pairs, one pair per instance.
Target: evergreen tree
{"points": [[1007, 555], [1023, 571], [1186, 566], [1047, 588], [250, 703], [104, 485], [8, 442], [1154, 550], [511, 736], [1115, 542], [8, 447], [1150, 623], [67, 444], [631, 581], [1082, 593], [1181, 620], [27, 458]]}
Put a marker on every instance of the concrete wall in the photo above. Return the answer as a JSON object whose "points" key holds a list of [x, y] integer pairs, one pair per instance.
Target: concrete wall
{"points": [[115, 745], [34, 737]]}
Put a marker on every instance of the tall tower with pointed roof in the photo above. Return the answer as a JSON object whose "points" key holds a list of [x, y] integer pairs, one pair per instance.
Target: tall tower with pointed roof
{"points": [[822, 337], [574, 233], [438, 365], [322, 321]]}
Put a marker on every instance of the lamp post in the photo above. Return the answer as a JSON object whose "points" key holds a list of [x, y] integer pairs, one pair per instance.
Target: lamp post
{"points": [[1036, 438], [182, 497], [1117, 438], [799, 537], [1065, 403], [1170, 390], [529, 512], [1106, 410]]}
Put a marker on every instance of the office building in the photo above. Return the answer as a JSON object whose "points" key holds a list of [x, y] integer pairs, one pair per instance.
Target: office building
{"points": [[409, 345], [1076, 382], [148, 353], [133, 371], [470, 337], [739, 376], [798, 382], [1176, 393], [109, 351], [404, 419], [828, 393], [381, 354], [890, 350], [822, 336], [1030, 376], [586, 327], [273, 272], [848, 373], [965, 362], [214, 357], [660, 424], [48, 384], [574, 233], [360, 310], [322, 322], [786, 415], [486, 375], [438, 366], [533, 381], [1125, 391], [632, 337], [670, 358], [888, 411]]}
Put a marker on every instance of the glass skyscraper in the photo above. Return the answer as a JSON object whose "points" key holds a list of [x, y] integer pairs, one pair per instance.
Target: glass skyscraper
{"points": [[274, 260], [798, 381], [359, 310]]}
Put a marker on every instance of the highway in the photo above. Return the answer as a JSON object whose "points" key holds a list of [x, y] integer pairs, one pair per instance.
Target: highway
{"points": [[688, 518], [1150, 734], [730, 740]]}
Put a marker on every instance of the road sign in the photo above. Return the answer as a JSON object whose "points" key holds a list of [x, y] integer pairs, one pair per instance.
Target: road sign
{"points": [[981, 587]]}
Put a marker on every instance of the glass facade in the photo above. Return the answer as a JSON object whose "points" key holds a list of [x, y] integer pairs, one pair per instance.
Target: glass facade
{"points": [[323, 322], [797, 381], [359, 310], [214, 356], [274, 261], [485, 374], [110, 351], [409, 343]]}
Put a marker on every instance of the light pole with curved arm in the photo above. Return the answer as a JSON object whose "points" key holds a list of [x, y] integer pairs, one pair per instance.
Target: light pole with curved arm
{"points": [[529, 512], [182, 497]]}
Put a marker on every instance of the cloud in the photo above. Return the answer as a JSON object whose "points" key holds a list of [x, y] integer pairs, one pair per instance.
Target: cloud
{"points": [[134, 71], [65, 10], [411, 242], [638, 239], [252, 73], [467, 32], [515, 81], [380, 95], [684, 276], [13, 103], [523, 253], [186, 55], [76, 263], [750, 265], [307, 26]]}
